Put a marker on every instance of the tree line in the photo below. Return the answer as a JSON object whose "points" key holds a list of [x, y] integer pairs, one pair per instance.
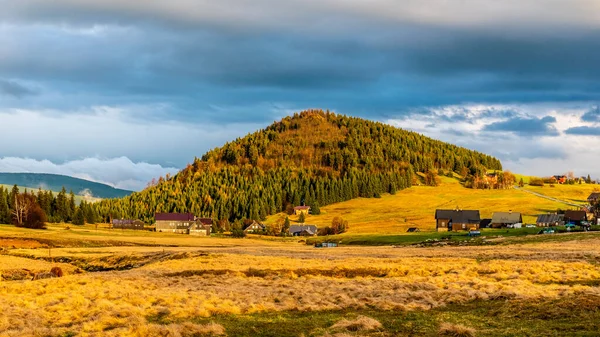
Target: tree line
{"points": [[314, 157], [33, 209]]}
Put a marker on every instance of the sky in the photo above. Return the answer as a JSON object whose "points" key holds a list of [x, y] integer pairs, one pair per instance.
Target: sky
{"points": [[121, 92]]}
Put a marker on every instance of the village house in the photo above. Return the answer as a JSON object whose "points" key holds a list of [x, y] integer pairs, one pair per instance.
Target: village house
{"points": [[549, 220], [301, 209], [255, 228], [183, 223], [303, 230], [127, 224], [503, 219], [593, 198], [575, 217], [456, 220], [560, 179]]}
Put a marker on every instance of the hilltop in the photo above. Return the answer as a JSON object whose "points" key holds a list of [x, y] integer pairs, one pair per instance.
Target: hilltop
{"points": [[313, 157], [55, 183]]}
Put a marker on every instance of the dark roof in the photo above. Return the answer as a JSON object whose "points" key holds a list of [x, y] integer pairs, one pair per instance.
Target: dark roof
{"points": [[205, 221], [506, 217], [576, 215], [122, 221], [458, 216], [549, 218], [594, 195], [413, 229], [174, 217], [312, 229]]}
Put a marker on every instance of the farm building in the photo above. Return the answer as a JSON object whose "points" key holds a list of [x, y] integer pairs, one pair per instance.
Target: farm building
{"points": [[303, 230], [593, 198], [200, 229], [174, 222], [255, 227], [456, 220], [502, 219], [301, 209], [127, 224], [575, 217], [548, 220]]}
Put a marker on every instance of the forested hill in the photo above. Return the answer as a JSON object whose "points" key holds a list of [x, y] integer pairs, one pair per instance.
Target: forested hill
{"points": [[313, 157]]}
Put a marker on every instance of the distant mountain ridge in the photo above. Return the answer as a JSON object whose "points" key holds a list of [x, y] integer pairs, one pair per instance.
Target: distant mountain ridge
{"points": [[55, 182]]}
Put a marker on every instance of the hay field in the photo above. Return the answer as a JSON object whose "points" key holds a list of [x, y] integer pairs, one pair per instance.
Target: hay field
{"points": [[265, 288], [415, 207]]}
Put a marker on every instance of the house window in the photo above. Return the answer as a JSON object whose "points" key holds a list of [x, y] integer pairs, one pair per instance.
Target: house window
{"points": [[464, 226]]}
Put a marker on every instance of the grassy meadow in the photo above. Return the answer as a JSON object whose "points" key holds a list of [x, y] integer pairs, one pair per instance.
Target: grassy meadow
{"points": [[148, 284], [415, 207]]}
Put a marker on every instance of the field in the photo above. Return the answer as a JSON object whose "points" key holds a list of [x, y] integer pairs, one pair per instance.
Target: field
{"points": [[127, 283], [415, 207]]}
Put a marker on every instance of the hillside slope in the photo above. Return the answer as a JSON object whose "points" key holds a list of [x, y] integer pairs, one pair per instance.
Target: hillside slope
{"points": [[313, 157], [55, 182], [415, 207]]}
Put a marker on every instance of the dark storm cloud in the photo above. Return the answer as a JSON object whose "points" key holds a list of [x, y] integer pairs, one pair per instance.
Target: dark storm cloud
{"points": [[525, 126], [593, 115], [14, 89], [584, 131]]}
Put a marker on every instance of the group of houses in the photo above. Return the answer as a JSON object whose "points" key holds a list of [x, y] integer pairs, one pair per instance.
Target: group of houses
{"points": [[459, 219]]}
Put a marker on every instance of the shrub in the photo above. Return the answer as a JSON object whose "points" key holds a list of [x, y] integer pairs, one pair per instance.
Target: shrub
{"points": [[536, 182], [361, 323]]}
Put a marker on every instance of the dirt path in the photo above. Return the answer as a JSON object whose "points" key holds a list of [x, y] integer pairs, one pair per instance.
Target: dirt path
{"points": [[549, 198]]}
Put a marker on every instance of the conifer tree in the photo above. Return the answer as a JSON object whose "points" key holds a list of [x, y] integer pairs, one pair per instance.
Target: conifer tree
{"points": [[301, 218]]}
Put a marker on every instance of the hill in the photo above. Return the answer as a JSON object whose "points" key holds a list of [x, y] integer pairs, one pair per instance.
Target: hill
{"points": [[415, 207], [314, 157], [55, 182]]}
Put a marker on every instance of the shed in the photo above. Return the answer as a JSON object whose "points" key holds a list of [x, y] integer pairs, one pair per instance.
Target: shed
{"points": [[413, 230]]}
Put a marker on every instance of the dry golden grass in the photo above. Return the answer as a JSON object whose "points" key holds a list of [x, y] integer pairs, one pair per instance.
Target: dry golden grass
{"points": [[279, 277], [456, 330], [577, 193], [415, 207], [360, 323]]}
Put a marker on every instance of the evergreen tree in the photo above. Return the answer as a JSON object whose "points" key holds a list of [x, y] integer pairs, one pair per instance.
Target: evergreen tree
{"points": [[315, 209], [79, 217], [286, 226], [302, 217], [61, 206], [521, 183], [5, 216], [71, 206]]}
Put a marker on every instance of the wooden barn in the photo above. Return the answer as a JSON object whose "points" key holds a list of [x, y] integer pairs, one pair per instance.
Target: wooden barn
{"points": [[575, 217], [457, 220], [593, 198]]}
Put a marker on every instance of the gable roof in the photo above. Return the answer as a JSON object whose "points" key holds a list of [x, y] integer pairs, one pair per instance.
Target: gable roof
{"points": [[506, 217], [312, 229], [594, 195], [576, 215], [459, 216], [174, 217], [205, 221], [301, 208], [549, 218]]}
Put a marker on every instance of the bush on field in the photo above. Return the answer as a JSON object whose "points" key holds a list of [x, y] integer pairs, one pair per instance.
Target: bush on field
{"points": [[456, 330]]}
